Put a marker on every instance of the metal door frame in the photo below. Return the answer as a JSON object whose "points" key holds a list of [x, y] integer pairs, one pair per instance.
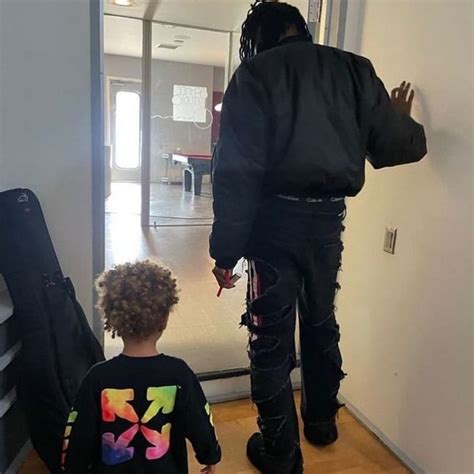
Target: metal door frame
{"points": [[333, 23], [97, 151]]}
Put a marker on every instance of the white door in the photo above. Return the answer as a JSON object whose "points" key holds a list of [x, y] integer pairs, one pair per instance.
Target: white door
{"points": [[125, 130]]}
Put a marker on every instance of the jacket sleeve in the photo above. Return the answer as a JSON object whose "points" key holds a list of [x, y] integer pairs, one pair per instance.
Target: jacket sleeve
{"points": [[394, 138], [199, 425], [81, 438], [239, 167]]}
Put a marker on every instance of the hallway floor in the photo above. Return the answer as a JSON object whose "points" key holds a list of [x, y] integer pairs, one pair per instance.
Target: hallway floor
{"points": [[356, 452], [203, 329]]}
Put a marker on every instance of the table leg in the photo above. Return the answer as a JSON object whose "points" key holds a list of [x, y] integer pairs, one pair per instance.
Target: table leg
{"points": [[197, 183], [188, 176]]}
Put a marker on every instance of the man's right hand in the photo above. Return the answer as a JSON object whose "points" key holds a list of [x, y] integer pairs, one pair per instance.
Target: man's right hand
{"points": [[223, 277], [402, 98]]}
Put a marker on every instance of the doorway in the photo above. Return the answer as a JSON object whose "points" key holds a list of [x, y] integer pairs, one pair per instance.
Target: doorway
{"points": [[160, 204], [125, 100]]}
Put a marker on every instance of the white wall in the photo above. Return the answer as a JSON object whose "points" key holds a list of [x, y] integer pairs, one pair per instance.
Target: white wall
{"points": [[45, 107], [407, 319]]}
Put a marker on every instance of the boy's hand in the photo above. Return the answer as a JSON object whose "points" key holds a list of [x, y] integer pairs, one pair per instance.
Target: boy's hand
{"points": [[223, 278], [209, 470]]}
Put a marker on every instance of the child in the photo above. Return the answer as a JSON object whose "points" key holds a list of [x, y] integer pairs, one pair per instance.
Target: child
{"points": [[133, 413]]}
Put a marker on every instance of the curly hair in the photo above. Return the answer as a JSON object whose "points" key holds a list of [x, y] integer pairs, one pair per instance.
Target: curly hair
{"points": [[135, 299]]}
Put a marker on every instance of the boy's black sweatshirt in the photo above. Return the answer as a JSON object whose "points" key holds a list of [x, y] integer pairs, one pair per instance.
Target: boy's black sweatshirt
{"points": [[134, 414]]}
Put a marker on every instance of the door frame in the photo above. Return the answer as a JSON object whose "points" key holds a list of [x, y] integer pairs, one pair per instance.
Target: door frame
{"points": [[328, 29], [97, 152]]}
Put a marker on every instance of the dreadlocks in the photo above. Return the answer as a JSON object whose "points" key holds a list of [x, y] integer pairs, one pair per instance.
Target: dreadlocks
{"points": [[266, 23]]}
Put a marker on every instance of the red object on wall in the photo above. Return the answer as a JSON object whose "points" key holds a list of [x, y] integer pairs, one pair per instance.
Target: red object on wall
{"points": [[217, 98]]}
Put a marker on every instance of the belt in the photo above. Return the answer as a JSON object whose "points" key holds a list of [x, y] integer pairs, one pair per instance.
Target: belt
{"points": [[313, 200]]}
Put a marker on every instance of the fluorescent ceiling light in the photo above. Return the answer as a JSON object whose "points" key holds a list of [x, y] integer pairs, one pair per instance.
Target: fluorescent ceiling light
{"points": [[124, 3], [218, 107], [182, 37], [168, 46]]}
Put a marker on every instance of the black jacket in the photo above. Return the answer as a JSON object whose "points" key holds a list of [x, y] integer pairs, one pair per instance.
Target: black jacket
{"points": [[300, 120]]}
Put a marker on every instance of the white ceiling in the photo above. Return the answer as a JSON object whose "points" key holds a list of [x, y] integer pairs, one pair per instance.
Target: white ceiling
{"points": [[123, 36]]}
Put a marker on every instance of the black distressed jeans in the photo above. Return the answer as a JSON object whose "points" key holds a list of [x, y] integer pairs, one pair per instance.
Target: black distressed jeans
{"points": [[294, 256]]}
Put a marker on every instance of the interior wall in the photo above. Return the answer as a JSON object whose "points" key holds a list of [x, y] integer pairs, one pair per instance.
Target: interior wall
{"points": [[167, 135], [407, 319], [219, 79], [45, 110]]}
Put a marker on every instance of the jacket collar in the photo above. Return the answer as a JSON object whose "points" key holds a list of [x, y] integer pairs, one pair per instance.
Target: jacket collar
{"points": [[296, 39]]}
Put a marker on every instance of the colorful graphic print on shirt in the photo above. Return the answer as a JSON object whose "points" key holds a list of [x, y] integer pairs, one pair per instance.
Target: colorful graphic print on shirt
{"points": [[116, 403]]}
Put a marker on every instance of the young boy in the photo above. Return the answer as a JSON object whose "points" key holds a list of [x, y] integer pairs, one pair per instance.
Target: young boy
{"points": [[133, 413]]}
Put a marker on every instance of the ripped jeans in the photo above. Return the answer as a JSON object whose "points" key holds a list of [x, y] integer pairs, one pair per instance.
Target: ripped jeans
{"points": [[294, 257]]}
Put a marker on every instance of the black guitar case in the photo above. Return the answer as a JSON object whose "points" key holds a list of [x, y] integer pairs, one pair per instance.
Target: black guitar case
{"points": [[58, 346]]}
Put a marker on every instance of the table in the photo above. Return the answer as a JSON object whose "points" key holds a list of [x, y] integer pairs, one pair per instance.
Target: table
{"points": [[197, 166]]}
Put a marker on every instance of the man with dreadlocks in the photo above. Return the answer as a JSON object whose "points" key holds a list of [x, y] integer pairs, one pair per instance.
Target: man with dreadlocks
{"points": [[298, 122]]}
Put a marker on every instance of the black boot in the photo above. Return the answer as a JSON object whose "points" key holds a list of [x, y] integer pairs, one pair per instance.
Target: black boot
{"points": [[321, 433], [266, 464]]}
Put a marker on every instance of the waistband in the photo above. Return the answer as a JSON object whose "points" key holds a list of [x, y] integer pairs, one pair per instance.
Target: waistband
{"points": [[310, 200]]}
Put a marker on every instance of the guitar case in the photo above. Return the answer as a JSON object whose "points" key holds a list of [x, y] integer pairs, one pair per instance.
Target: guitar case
{"points": [[58, 346]]}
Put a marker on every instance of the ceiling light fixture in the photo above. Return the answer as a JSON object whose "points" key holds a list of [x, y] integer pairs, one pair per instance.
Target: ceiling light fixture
{"points": [[124, 3], [182, 37], [171, 47]]}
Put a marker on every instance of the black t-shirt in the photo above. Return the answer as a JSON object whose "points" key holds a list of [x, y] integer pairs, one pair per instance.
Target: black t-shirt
{"points": [[133, 415]]}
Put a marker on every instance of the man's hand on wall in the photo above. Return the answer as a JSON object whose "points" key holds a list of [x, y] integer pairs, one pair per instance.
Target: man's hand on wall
{"points": [[402, 98]]}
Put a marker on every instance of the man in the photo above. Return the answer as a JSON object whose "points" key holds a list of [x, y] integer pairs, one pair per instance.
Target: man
{"points": [[298, 122]]}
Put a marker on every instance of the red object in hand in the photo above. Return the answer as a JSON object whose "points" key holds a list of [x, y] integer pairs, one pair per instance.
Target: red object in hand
{"points": [[228, 275]]}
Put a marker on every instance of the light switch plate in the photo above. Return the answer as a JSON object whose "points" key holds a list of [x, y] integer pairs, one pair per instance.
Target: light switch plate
{"points": [[390, 240]]}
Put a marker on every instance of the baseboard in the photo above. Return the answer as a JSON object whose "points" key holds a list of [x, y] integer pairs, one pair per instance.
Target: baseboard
{"points": [[236, 388], [20, 459], [394, 449]]}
